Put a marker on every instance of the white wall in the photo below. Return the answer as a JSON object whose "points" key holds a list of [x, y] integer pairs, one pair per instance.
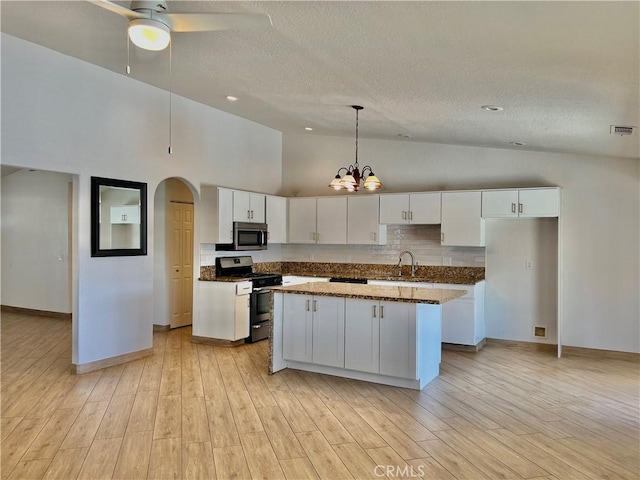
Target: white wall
{"points": [[35, 241], [601, 228], [62, 114]]}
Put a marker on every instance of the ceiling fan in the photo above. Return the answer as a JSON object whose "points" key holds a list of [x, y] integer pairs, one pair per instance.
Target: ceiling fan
{"points": [[151, 24]]}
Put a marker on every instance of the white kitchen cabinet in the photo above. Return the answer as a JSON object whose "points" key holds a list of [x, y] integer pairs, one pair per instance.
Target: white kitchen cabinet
{"points": [[302, 220], [398, 329], [297, 328], [276, 218], [362, 216], [331, 220], [313, 329], [321, 220], [463, 318], [413, 208], [248, 207], [216, 219], [328, 331], [362, 336], [223, 310], [528, 203], [462, 223], [125, 214]]}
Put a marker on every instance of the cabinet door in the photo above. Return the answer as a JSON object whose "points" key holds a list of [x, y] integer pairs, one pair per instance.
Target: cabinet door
{"points": [[541, 202], [362, 215], [131, 213], [394, 209], [116, 214], [398, 339], [297, 328], [241, 317], [362, 336], [331, 221], [241, 206], [257, 207], [276, 219], [328, 331], [302, 220], [458, 324], [225, 216], [462, 223], [500, 204], [424, 208]]}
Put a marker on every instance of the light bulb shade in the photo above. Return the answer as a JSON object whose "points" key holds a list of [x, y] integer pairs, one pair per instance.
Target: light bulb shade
{"points": [[149, 34], [348, 181], [336, 183], [372, 182]]}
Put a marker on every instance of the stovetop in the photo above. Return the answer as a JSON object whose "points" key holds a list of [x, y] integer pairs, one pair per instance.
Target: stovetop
{"points": [[242, 267]]}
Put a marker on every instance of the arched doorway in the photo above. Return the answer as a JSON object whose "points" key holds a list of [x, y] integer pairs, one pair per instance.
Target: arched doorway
{"points": [[173, 254]]}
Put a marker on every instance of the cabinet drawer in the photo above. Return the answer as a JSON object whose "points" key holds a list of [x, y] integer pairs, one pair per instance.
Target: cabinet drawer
{"points": [[242, 288]]}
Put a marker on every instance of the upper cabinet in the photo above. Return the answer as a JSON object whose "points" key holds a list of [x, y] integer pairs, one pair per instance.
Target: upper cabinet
{"points": [[530, 202], [414, 208], [248, 207], [276, 219], [363, 227], [318, 220], [462, 223]]}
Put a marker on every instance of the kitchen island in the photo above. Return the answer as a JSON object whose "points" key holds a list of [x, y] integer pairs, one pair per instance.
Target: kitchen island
{"points": [[382, 334]]}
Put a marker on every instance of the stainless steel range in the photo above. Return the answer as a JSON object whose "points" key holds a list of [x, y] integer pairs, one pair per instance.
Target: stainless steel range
{"points": [[260, 298]]}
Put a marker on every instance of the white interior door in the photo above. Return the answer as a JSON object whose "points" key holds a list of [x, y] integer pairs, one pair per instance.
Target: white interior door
{"points": [[180, 263]]}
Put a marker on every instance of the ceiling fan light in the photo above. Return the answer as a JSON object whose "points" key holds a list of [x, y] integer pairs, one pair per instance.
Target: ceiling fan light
{"points": [[149, 34]]}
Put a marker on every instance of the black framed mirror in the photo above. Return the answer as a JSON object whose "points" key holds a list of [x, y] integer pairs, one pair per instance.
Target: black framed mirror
{"points": [[118, 217]]}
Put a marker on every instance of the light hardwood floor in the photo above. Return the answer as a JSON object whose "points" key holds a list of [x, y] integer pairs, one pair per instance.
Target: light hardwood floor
{"points": [[197, 411]]}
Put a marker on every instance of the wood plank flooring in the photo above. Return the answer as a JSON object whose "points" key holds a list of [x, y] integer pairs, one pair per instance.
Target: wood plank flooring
{"points": [[198, 411]]}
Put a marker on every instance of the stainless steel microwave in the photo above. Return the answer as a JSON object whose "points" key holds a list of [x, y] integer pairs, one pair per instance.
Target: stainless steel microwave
{"points": [[249, 236]]}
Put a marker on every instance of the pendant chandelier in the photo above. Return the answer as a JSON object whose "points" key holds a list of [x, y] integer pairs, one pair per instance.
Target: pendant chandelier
{"points": [[351, 180]]}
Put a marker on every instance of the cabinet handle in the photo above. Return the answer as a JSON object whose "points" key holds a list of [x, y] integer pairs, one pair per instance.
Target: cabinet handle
{"points": [[248, 214], [317, 236], [404, 215], [249, 302], [374, 235], [251, 214], [442, 237], [410, 215], [374, 311], [381, 311], [268, 235], [308, 303], [256, 326], [513, 208], [520, 208], [315, 305]]}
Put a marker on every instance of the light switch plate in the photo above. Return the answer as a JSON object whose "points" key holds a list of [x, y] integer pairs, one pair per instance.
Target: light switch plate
{"points": [[446, 260]]}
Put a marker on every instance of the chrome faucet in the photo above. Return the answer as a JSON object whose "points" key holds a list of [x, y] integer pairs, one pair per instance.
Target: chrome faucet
{"points": [[413, 265]]}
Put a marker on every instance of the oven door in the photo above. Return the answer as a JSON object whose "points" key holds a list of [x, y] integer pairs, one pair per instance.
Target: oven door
{"points": [[260, 306]]}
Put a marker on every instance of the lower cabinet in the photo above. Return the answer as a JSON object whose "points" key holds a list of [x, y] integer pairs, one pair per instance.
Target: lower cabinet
{"points": [[463, 318], [223, 310], [380, 337], [313, 329]]}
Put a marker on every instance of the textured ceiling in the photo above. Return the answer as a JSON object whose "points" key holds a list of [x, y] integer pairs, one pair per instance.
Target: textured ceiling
{"points": [[563, 71]]}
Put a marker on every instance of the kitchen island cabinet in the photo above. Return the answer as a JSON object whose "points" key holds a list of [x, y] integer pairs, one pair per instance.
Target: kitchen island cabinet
{"points": [[388, 335]]}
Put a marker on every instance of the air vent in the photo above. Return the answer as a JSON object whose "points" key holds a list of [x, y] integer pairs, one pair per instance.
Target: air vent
{"points": [[620, 130], [540, 332]]}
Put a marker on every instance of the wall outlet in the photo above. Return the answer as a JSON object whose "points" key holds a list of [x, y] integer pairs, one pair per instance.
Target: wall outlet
{"points": [[528, 265], [446, 260]]}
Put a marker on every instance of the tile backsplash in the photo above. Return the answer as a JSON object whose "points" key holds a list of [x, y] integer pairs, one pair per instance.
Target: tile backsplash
{"points": [[422, 240]]}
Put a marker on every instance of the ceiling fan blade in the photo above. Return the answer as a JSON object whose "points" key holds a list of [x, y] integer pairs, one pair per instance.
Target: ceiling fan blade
{"points": [[209, 22], [115, 8]]}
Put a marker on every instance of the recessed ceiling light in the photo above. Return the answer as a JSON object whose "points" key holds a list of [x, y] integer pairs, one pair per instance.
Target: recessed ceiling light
{"points": [[517, 144], [492, 108], [308, 129], [231, 98]]}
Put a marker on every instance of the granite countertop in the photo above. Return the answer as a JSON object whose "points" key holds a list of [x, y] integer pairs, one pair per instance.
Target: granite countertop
{"points": [[370, 271], [213, 278], [435, 296]]}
